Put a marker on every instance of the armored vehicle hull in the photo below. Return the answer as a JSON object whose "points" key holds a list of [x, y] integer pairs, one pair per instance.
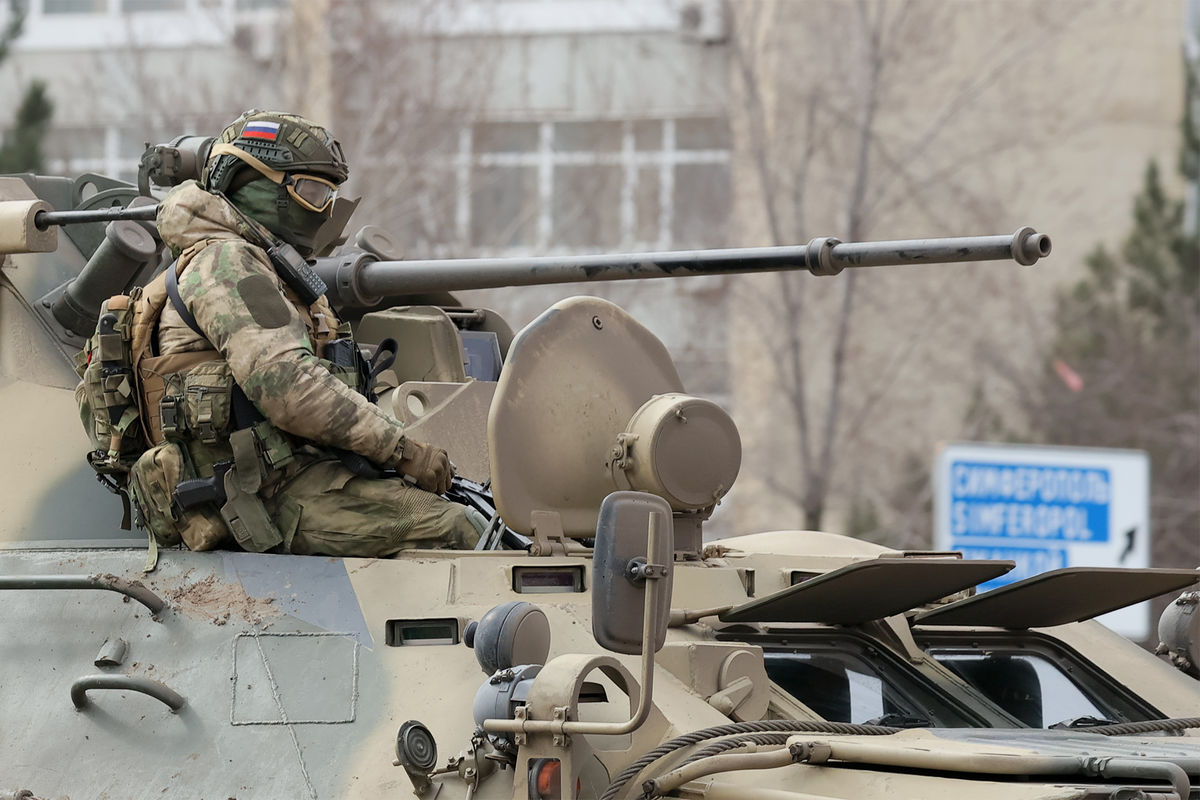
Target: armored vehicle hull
{"points": [[593, 646]]}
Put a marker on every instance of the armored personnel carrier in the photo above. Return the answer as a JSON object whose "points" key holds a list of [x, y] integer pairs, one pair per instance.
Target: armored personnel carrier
{"points": [[592, 646]]}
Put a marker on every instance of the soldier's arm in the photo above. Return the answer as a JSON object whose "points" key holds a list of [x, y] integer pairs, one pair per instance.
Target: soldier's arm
{"points": [[237, 299]]}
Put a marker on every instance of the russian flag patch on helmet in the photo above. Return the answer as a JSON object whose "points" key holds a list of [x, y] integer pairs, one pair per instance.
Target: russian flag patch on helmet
{"points": [[261, 130]]}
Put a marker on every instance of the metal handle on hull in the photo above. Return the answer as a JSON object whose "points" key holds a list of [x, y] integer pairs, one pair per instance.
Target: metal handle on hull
{"points": [[131, 589], [165, 694]]}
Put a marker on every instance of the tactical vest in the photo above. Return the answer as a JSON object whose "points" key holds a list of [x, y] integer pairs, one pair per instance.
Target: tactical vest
{"points": [[177, 436]]}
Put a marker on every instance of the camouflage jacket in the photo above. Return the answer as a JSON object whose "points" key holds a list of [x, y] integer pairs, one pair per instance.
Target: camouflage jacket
{"points": [[260, 328]]}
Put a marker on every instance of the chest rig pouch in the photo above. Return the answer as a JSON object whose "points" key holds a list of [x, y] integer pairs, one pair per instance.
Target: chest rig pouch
{"points": [[235, 450], [122, 396], [108, 399], [238, 454]]}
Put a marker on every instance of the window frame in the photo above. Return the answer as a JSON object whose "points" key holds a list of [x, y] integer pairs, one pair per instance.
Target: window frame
{"points": [[631, 158], [876, 655], [1097, 686]]}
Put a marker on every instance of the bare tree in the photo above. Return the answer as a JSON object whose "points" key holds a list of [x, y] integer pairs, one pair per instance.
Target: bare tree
{"points": [[147, 92], [1121, 367], [852, 123], [403, 94], [381, 75]]}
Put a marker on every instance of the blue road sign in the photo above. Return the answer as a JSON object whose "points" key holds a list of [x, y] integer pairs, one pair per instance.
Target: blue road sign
{"points": [[1045, 508]]}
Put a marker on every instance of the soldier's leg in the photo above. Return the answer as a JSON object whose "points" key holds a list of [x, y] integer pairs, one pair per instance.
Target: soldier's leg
{"points": [[346, 515]]}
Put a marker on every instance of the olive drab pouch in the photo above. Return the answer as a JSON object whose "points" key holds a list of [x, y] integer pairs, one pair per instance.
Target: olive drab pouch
{"points": [[345, 362], [153, 481], [208, 401], [163, 392], [107, 394], [112, 393], [244, 511]]}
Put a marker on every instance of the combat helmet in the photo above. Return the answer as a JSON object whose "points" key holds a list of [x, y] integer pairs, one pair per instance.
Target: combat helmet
{"points": [[277, 145]]}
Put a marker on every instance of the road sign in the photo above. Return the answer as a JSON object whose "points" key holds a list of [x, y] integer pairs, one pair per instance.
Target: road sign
{"points": [[1046, 508]]}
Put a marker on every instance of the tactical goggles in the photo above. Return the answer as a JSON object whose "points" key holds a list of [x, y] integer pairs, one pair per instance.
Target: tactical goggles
{"points": [[312, 192]]}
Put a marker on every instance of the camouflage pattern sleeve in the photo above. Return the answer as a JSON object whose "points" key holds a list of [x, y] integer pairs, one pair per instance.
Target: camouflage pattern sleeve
{"points": [[237, 299]]}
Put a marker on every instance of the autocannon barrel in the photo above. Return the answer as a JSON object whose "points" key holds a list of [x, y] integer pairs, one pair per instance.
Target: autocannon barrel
{"points": [[363, 281], [45, 219]]}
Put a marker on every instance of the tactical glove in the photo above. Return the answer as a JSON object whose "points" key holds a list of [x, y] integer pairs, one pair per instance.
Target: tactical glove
{"points": [[427, 466]]}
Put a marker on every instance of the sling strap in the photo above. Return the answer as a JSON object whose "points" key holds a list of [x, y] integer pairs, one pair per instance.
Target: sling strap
{"points": [[172, 277]]}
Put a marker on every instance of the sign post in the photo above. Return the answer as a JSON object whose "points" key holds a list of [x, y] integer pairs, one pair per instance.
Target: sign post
{"points": [[1047, 508]]}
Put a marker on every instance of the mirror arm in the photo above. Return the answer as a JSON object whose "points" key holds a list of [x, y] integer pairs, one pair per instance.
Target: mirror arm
{"points": [[649, 618]]}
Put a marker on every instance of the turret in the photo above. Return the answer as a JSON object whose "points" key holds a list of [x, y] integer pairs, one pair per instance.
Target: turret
{"points": [[589, 401]]}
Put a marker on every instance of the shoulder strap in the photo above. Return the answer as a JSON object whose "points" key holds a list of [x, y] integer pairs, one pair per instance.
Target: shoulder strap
{"points": [[151, 299], [245, 414], [172, 278]]}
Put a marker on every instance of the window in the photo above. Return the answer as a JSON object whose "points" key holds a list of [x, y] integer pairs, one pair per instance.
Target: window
{"points": [[1024, 685], [74, 6], [1035, 679], [514, 187], [840, 689], [586, 186], [704, 133], [70, 151], [111, 150], [581, 195], [504, 204], [135, 6], [701, 205], [512, 137], [848, 678]]}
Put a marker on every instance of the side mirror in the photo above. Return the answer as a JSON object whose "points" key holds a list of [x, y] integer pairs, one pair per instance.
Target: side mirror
{"points": [[631, 606], [632, 572]]}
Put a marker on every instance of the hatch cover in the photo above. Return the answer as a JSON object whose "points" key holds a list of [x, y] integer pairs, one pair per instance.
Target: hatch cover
{"points": [[868, 590], [1060, 596]]}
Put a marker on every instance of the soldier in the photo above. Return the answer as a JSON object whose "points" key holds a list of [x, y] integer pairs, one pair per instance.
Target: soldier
{"points": [[270, 179]]}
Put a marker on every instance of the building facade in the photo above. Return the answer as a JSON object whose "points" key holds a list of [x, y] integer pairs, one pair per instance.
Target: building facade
{"points": [[514, 127]]}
